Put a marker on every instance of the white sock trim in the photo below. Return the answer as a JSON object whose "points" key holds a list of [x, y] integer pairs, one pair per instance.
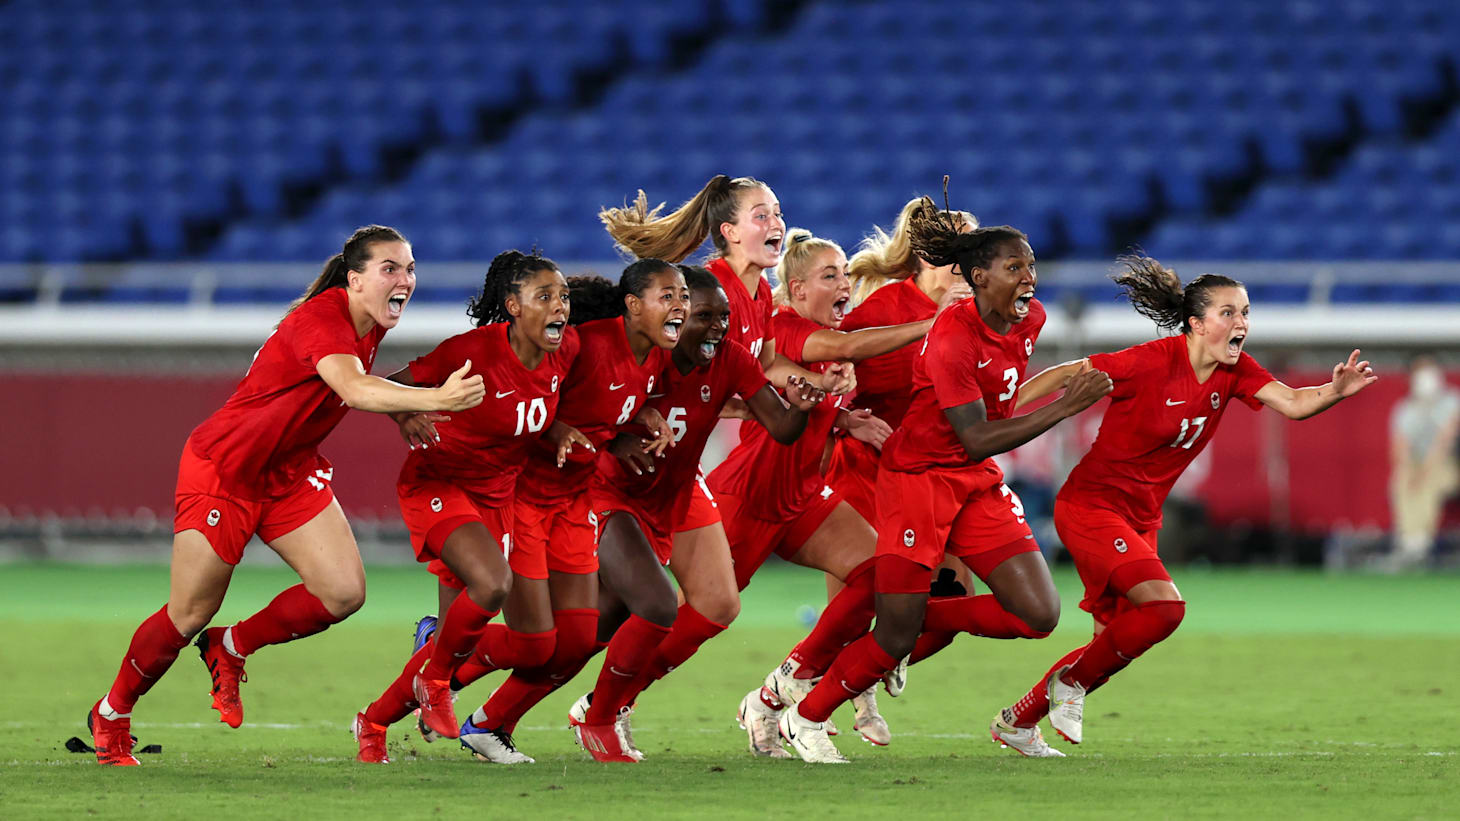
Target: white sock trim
{"points": [[228, 643], [479, 717], [106, 711]]}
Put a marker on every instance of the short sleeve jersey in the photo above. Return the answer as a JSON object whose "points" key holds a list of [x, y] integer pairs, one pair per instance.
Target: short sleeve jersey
{"points": [[884, 383], [1160, 418], [776, 481], [691, 405], [750, 317], [266, 436], [961, 361], [604, 390], [482, 449]]}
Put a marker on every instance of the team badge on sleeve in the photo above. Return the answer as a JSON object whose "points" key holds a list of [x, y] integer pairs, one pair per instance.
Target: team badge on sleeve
{"points": [[1121, 546], [704, 393]]}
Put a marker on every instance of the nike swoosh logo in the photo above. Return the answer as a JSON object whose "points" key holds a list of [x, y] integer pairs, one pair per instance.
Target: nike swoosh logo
{"points": [[985, 362], [139, 671], [619, 672], [616, 387], [1171, 404], [745, 329], [505, 393]]}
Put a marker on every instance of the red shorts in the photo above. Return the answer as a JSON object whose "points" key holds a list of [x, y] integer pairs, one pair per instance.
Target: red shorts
{"points": [[560, 536], [702, 512], [1102, 541], [228, 521], [433, 509], [853, 472], [752, 540], [925, 516]]}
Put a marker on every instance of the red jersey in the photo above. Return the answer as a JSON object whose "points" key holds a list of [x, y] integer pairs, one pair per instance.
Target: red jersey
{"points": [[1159, 419], [884, 383], [605, 388], [750, 316], [268, 432], [483, 448], [962, 360], [691, 405], [776, 481]]}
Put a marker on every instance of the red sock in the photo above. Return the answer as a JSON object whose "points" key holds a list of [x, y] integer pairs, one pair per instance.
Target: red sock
{"points": [[1034, 706], [629, 652], [576, 644], [979, 615], [1123, 640], [846, 617], [399, 698], [856, 668], [154, 648], [293, 614], [930, 643], [502, 648], [458, 632], [691, 630]]}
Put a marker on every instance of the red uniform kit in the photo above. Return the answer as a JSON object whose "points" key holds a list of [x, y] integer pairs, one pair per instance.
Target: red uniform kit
{"points": [[1160, 418], [254, 465], [605, 389], [471, 473], [932, 498], [750, 317], [673, 498], [884, 386], [771, 496]]}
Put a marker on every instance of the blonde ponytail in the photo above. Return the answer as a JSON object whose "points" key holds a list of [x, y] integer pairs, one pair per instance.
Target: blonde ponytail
{"points": [[884, 258]]}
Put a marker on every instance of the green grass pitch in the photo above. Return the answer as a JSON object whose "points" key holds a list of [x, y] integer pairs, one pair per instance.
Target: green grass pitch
{"points": [[1283, 695]]}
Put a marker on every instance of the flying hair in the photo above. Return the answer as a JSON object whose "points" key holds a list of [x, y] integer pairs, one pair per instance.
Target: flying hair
{"points": [[1156, 292]]}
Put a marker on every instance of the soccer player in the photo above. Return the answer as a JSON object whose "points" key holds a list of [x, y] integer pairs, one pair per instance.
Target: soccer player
{"points": [[644, 507], [457, 485], [254, 467], [939, 490], [1169, 396], [742, 218], [625, 332], [773, 497]]}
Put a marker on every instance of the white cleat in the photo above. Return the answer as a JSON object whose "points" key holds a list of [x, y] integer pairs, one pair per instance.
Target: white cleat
{"points": [[808, 739], [782, 686], [1026, 741], [492, 746], [895, 680], [869, 722], [759, 723], [1066, 708]]}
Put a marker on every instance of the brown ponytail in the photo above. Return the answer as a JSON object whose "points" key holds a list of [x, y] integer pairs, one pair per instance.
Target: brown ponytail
{"points": [[640, 232], [353, 258], [1157, 294]]}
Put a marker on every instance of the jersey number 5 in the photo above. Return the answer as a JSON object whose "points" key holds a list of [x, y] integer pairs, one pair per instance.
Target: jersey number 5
{"points": [[1199, 423], [531, 417]]}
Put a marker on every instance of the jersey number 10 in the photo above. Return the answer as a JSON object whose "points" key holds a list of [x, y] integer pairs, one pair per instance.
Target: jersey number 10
{"points": [[532, 417]]}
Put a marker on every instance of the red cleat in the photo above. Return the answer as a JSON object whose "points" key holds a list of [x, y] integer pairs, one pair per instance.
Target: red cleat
{"points": [[371, 737], [437, 710], [605, 742], [112, 739], [227, 672]]}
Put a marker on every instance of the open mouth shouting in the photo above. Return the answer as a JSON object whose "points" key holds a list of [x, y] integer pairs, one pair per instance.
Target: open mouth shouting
{"points": [[1021, 302], [773, 243], [1234, 345], [839, 309], [397, 304], [671, 329], [553, 331]]}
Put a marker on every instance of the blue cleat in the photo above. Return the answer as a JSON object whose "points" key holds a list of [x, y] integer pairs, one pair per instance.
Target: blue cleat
{"points": [[425, 629]]}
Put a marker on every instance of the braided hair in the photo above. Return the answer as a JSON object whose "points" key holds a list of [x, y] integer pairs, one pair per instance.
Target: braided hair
{"points": [[507, 272], [595, 297], [936, 237]]}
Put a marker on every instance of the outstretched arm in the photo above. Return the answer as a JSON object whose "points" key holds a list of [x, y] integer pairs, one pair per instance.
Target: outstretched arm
{"points": [[1048, 381], [865, 343], [983, 437], [1349, 378], [346, 376]]}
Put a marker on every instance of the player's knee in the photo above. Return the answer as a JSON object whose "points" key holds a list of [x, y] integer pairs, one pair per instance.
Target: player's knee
{"points": [[537, 651], [660, 610], [490, 590], [722, 609], [191, 617], [344, 600], [1166, 616], [1042, 619]]}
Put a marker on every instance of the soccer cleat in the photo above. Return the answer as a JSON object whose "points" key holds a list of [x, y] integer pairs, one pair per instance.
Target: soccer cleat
{"points": [[783, 688], [371, 738], [1026, 741], [895, 680], [437, 710], [869, 722], [111, 738], [1066, 707], [808, 739], [759, 723], [578, 714], [429, 735], [605, 742], [227, 672], [493, 746], [425, 629]]}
